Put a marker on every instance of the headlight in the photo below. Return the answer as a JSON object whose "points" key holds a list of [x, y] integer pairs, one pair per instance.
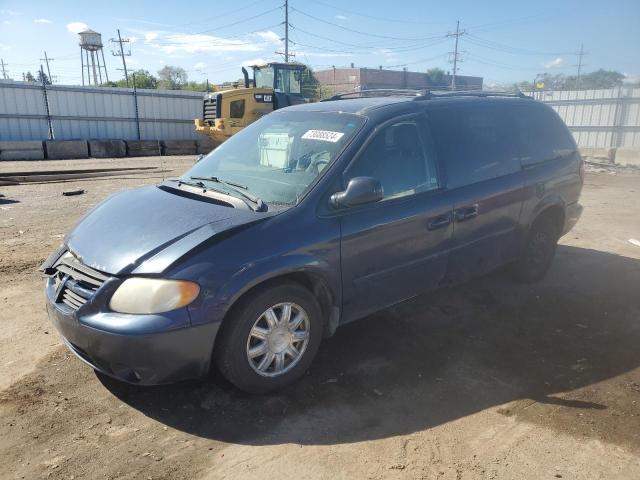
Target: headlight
{"points": [[152, 295]]}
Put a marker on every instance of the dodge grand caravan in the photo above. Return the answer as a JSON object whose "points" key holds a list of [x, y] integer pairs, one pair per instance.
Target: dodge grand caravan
{"points": [[312, 217]]}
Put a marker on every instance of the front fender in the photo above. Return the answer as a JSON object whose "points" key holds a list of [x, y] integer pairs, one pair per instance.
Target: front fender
{"points": [[254, 274]]}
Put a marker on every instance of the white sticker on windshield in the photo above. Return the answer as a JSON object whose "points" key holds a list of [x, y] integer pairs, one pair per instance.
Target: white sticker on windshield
{"points": [[324, 135]]}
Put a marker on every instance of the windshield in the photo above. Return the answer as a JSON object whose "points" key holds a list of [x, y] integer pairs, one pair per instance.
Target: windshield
{"points": [[263, 77], [280, 155], [288, 81]]}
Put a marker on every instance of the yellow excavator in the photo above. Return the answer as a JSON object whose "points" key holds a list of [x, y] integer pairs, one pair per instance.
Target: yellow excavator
{"points": [[274, 85]]}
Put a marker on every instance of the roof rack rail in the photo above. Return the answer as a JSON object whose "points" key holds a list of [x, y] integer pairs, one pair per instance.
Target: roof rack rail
{"points": [[470, 93], [377, 92], [420, 95]]}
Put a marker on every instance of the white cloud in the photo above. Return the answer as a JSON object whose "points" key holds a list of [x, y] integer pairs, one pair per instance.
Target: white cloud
{"points": [[199, 65], [555, 63], [150, 36], [42, 20], [253, 61], [77, 27], [184, 43], [269, 36], [4, 47], [340, 17], [9, 13], [6, 22]]}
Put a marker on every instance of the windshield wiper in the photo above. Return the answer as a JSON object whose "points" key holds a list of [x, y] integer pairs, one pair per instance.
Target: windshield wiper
{"points": [[260, 206]]}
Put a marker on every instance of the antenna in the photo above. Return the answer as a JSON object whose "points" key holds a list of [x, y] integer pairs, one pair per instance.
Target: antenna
{"points": [[120, 53]]}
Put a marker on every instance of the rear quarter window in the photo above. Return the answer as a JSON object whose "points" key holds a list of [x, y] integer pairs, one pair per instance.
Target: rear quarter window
{"points": [[475, 142], [543, 135]]}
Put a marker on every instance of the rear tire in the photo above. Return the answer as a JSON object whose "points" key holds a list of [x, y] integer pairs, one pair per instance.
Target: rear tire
{"points": [[270, 339], [539, 251]]}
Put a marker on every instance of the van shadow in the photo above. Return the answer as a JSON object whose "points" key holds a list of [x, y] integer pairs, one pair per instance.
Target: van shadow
{"points": [[434, 359], [5, 201]]}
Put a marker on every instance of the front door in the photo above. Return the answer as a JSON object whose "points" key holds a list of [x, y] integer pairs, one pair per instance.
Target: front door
{"points": [[397, 248]]}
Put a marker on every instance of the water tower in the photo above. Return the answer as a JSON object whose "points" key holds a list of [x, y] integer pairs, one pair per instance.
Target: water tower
{"points": [[91, 44]]}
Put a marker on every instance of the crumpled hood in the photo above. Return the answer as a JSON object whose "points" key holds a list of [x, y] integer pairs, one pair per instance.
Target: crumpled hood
{"points": [[147, 229]]}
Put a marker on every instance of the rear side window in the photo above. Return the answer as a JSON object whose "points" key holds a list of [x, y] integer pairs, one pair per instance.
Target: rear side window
{"points": [[542, 134], [475, 142]]}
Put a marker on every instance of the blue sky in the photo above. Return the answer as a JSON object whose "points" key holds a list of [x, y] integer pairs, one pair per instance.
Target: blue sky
{"points": [[505, 41]]}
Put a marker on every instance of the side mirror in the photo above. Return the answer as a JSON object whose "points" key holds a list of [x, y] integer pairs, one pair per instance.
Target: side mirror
{"points": [[360, 190], [199, 157]]}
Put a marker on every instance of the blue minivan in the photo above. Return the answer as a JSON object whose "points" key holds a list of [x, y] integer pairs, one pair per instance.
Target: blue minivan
{"points": [[313, 216]]}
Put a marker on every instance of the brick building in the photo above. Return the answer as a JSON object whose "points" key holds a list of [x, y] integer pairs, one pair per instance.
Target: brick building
{"points": [[347, 79]]}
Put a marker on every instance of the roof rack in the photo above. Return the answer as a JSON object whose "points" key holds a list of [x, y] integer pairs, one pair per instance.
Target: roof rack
{"points": [[422, 94], [470, 93], [377, 92]]}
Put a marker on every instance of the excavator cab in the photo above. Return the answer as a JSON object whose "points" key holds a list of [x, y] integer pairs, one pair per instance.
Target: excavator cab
{"points": [[274, 85]]}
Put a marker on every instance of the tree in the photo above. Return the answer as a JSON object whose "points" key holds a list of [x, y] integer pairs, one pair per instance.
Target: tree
{"points": [[172, 78], [42, 78], [29, 77], [143, 80], [599, 79], [310, 84], [198, 87], [437, 77]]}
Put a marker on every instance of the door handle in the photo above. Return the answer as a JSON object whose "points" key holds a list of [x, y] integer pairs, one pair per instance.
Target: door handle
{"points": [[440, 221], [465, 213]]}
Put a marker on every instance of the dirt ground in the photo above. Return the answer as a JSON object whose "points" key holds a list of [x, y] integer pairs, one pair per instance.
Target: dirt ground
{"points": [[487, 380]]}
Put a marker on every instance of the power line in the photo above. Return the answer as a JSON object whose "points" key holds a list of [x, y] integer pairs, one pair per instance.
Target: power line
{"points": [[457, 35], [491, 45], [359, 32], [373, 17], [120, 41]]}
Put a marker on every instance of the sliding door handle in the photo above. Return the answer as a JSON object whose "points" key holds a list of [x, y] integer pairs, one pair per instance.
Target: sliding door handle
{"points": [[465, 213], [439, 221]]}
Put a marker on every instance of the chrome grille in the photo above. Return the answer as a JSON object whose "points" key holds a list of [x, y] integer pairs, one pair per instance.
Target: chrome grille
{"points": [[80, 282], [209, 109]]}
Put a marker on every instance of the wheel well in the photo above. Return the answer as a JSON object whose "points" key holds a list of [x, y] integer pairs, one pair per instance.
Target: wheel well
{"points": [[314, 283], [553, 214]]}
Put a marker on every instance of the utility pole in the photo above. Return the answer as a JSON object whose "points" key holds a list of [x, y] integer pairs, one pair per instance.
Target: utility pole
{"points": [[46, 60], [4, 72], [46, 104], [286, 31], [458, 34], [121, 53], [581, 54]]}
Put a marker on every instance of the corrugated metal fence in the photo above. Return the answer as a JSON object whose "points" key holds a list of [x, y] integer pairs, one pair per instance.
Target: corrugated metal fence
{"points": [[599, 118], [96, 113]]}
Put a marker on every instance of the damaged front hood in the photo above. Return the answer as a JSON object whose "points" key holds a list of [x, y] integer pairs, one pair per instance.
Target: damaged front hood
{"points": [[147, 229]]}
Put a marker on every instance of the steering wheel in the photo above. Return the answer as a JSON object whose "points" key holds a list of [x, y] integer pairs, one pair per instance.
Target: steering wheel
{"points": [[315, 165]]}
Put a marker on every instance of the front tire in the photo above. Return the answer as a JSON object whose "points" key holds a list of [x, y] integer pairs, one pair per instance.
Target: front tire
{"points": [[539, 251], [270, 339]]}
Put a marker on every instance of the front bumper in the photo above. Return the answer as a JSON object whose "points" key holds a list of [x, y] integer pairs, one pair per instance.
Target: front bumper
{"points": [[115, 345]]}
